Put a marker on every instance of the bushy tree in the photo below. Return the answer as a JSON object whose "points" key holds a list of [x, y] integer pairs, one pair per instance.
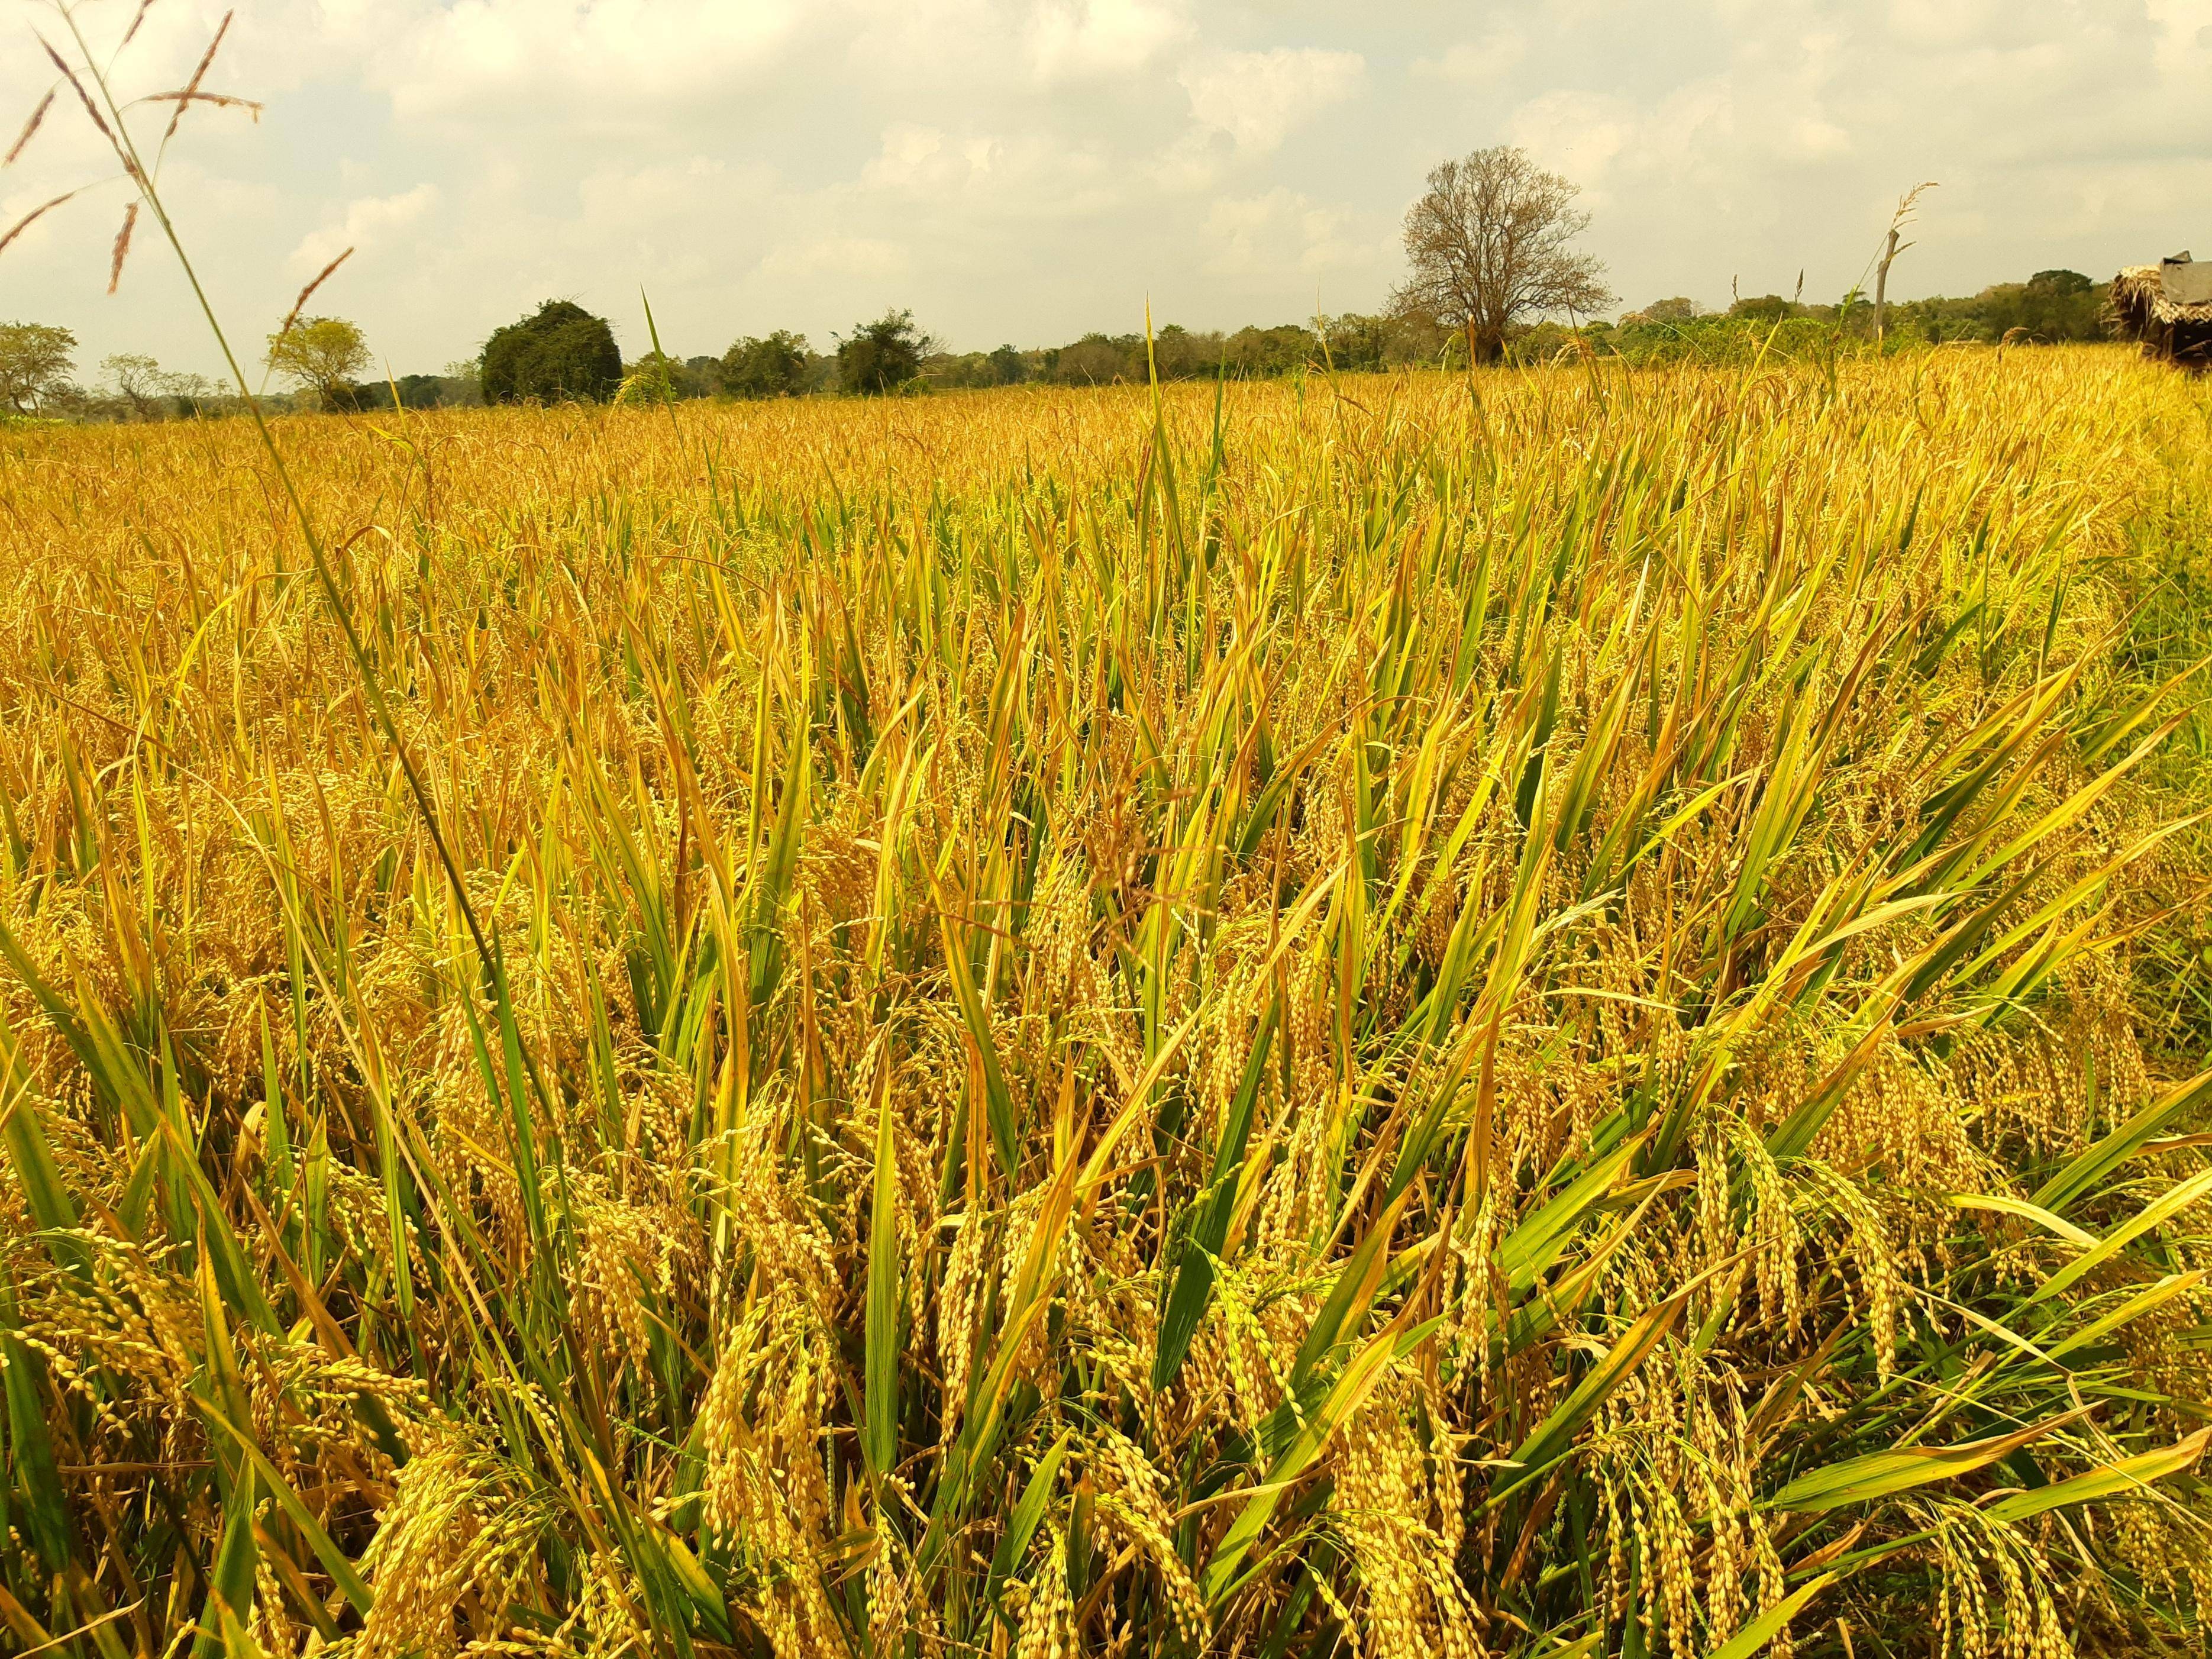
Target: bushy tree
{"points": [[562, 353], [1679, 309], [771, 366], [653, 379], [1488, 247], [35, 364], [2050, 306], [1008, 367], [1253, 353], [1763, 308], [882, 355], [1094, 359], [321, 354]]}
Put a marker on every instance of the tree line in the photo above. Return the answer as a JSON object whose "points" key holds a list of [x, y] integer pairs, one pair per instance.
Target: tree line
{"points": [[1493, 276], [37, 371]]}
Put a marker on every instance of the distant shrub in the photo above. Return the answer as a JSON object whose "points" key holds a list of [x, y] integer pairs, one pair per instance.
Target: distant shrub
{"points": [[770, 366], [563, 354], [882, 355], [446, 390]]}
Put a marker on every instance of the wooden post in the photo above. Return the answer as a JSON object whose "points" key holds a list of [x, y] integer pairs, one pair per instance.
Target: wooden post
{"points": [[1881, 287]]}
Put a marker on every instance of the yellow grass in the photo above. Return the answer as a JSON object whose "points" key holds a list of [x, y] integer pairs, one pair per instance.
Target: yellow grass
{"points": [[1397, 1015]]}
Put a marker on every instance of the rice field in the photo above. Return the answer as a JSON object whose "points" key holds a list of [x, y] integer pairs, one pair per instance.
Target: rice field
{"points": [[1560, 1013]]}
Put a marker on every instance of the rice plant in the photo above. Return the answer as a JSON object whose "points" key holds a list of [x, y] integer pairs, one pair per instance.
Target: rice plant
{"points": [[1549, 1013], [1536, 1014]]}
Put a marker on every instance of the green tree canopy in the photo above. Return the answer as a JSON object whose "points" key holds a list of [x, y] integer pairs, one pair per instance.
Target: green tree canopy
{"points": [[882, 355], [1679, 308], [654, 377], [562, 353], [771, 366], [1762, 308], [321, 354], [34, 363]]}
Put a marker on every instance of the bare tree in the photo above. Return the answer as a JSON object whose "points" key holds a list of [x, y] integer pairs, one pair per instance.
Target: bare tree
{"points": [[1488, 247], [139, 379]]}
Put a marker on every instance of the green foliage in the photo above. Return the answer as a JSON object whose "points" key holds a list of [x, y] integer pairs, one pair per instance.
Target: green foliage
{"points": [[446, 390], [2050, 308], [35, 364], [1006, 365], [884, 355], [1758, 308], [651, 378], [559, 354], [1389, 340], [1679, 309], [773, 365], [1175, 353]]}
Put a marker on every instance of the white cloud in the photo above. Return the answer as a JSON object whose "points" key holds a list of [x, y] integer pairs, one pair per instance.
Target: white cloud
{"points": [[1580, 134], [1257, 97], [591, 62], [1283, 230], [1072, 39], [837, 255], [366, 223], [1477, 62]]}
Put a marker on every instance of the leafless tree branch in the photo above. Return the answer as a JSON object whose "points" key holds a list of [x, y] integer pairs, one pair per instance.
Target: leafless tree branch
{"points": [[1488, 244]]}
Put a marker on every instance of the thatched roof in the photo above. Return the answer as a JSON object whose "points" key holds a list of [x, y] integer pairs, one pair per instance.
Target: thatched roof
{"points": [[2141, 295]]}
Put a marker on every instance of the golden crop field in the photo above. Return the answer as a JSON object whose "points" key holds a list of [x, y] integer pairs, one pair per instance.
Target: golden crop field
{"points": [[1550, 1013]]}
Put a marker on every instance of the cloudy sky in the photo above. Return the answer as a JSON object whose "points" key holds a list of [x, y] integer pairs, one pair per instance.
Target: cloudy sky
{"points": [[1028, 171]]}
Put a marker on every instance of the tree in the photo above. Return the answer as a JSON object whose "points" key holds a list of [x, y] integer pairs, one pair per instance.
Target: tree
{"points": [[1252, 352], [1488, 243], [882, 355], [1008, 367], [35, 364], [1762, 308], [1094, 359], [191, 395], [140, 381], [562, 353], [653, 379], [321, 354], [771, 366], [1679, 309], [2050, 306]]}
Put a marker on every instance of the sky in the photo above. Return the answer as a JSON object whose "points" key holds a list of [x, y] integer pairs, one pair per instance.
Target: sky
{"points": [[1027, 173]]}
